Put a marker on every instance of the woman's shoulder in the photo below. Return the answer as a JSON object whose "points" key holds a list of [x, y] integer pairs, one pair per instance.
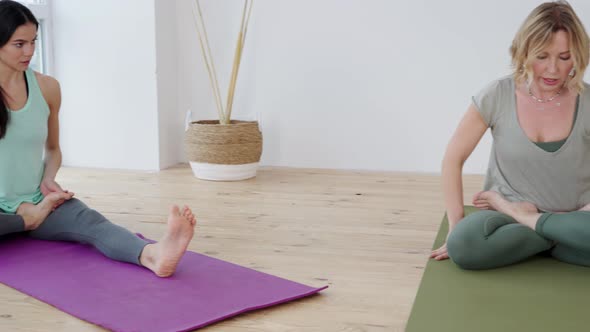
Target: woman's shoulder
{"points": [[502, 87], [49, 88], [499, 84], [584, 101], [46, 81], [490, 100]]}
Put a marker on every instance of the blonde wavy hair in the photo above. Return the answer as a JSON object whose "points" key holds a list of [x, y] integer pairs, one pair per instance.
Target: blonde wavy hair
{"points": [[536, 33]]}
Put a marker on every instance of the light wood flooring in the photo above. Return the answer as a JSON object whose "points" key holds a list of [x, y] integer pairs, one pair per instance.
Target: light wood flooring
{"points": [[365, 234]]}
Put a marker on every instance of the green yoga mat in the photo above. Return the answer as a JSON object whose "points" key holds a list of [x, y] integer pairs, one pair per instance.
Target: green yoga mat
{"points": [[539, 294]]}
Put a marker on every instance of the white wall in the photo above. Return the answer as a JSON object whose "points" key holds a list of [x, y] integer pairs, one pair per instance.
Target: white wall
{"points": [[358, 84], [171, 129], [106, 63], [350, 84]]}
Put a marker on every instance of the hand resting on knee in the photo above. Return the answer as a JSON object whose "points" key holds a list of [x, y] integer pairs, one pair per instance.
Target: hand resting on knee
{"points": [[34, 215]]}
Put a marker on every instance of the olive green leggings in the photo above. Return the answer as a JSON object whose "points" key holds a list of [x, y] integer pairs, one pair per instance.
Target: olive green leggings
{"points": [[489, 239]]}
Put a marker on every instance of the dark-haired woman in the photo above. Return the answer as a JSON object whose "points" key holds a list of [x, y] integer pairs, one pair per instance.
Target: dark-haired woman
{"points": [[30, 199]]}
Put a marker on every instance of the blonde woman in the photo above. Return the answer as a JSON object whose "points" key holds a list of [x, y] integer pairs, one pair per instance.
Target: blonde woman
{"points": [[538, 178]]}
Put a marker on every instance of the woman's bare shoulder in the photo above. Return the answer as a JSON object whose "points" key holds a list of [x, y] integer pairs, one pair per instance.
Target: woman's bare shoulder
{"points": [[50, 88]]}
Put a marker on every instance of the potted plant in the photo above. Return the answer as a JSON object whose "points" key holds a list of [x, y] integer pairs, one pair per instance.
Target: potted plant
{"points": [[223, 149]]}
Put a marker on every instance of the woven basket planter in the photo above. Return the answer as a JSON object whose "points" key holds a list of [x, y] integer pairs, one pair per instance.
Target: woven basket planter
{"points": [[223, 152]]}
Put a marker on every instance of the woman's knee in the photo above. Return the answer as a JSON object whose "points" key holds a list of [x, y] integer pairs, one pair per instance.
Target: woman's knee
{"points": [[461, 248], [467, 244], [91, 217], [80, 212], [71, 217]]}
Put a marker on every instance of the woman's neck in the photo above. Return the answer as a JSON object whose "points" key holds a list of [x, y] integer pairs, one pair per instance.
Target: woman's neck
{"points": [[565, 92], [9, 76], [545, 95]]}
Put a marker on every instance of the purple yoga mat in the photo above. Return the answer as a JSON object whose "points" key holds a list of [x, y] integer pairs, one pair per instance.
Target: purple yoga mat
{"points": [[123, 297]]}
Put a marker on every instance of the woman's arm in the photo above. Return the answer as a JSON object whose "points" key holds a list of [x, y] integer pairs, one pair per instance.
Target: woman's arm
{"points": [[52, 94], [462, 143]]}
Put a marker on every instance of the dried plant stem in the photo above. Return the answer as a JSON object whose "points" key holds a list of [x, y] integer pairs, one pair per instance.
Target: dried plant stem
{"points": [[208, 59], [238, 57], [245, 25], [224, 114]]}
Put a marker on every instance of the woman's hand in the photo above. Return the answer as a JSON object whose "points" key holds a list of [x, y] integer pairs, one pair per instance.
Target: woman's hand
{"points": [[49, 186], [34, 215], [441, 253]]}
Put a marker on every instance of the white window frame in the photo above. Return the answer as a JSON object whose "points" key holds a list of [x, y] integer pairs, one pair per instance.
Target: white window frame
{"points": [[43, 12]]}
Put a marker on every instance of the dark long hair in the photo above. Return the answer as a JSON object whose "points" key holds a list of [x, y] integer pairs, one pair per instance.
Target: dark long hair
{"points": [[12, 16]]}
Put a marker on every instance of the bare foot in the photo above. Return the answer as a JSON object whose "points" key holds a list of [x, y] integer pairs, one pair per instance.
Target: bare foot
{"points": [[483, 201], [524, 212], [34, 215], [163, 257]]}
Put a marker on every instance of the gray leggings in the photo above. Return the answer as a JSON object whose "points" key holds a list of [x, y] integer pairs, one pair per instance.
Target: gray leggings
{"points": [[73, 221]]}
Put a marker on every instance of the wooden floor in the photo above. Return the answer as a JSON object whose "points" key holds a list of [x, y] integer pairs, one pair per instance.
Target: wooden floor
{"points": [[365, 234]]}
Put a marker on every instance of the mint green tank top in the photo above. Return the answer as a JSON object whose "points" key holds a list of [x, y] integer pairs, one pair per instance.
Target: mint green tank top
{"points": [[22, 149]]}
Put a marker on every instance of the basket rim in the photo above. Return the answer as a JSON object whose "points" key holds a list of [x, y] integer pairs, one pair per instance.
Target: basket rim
{"points": [[216, 122]]}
